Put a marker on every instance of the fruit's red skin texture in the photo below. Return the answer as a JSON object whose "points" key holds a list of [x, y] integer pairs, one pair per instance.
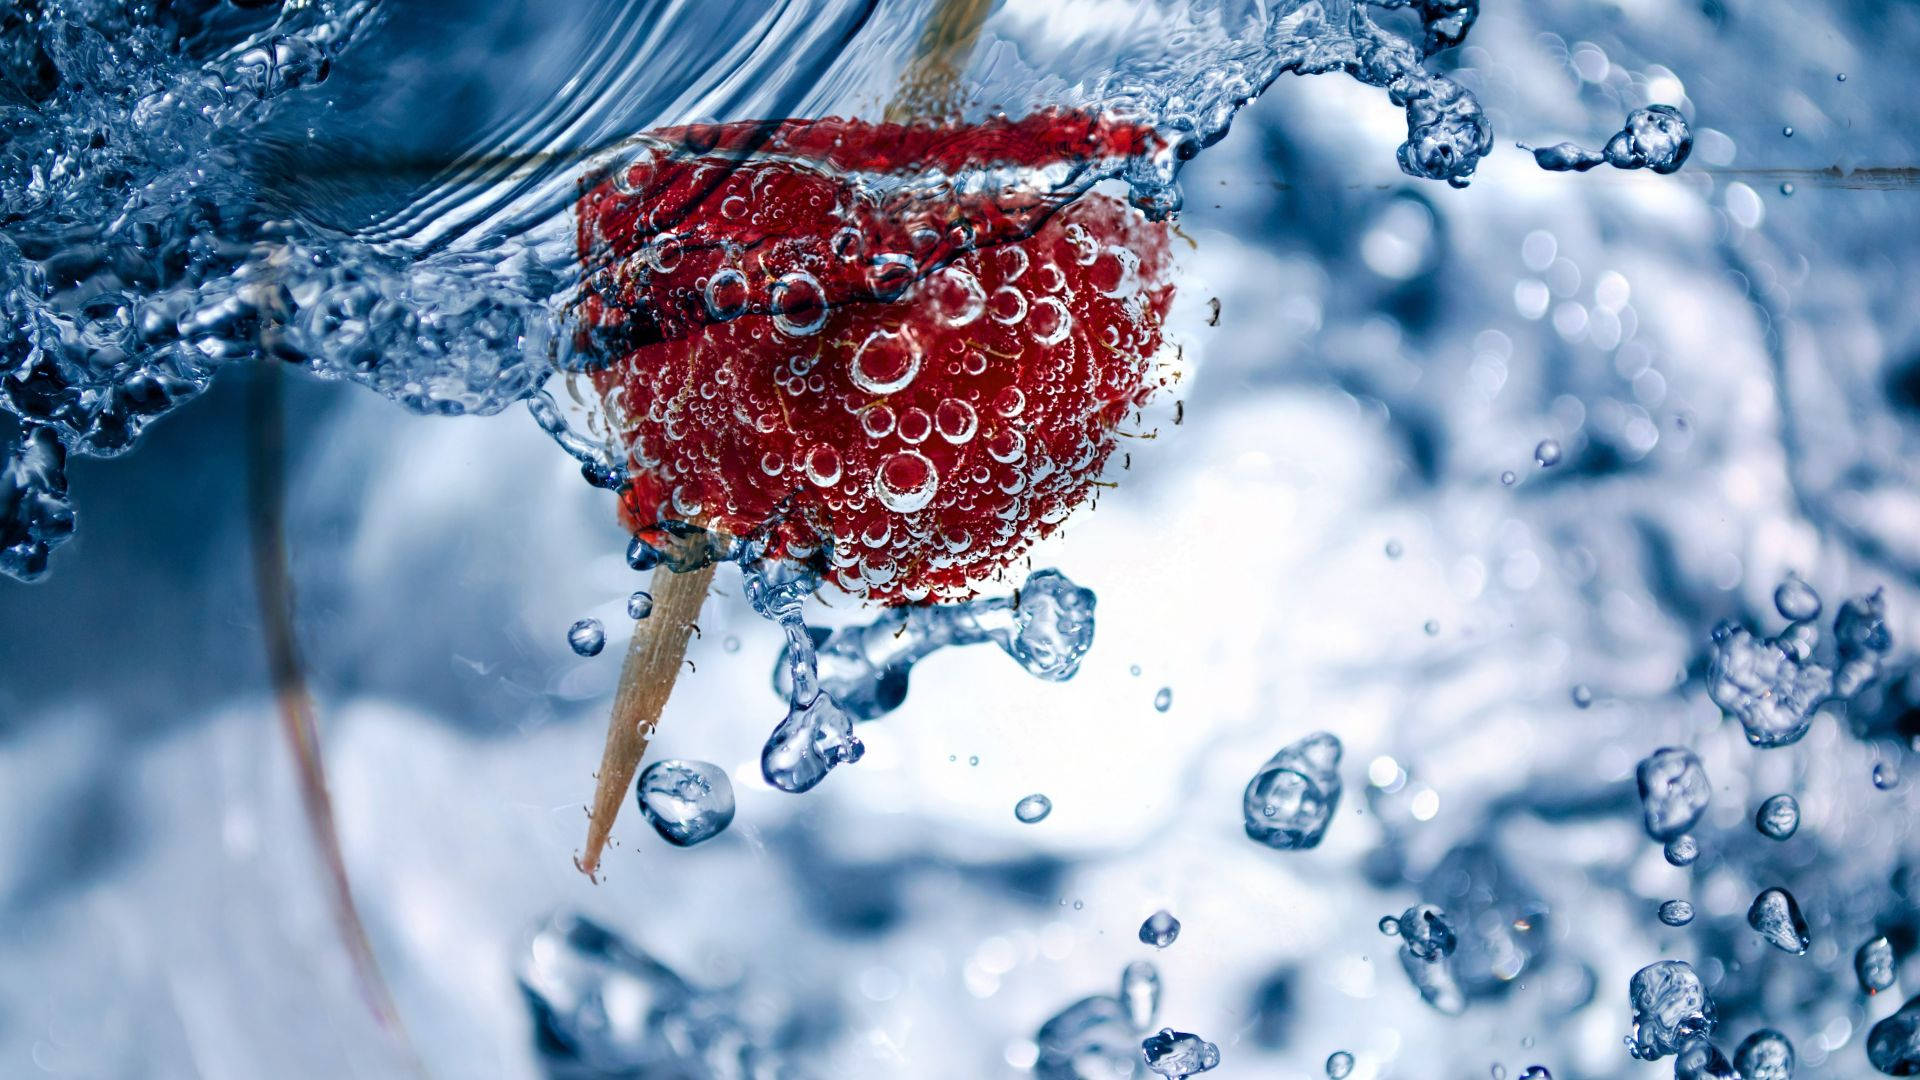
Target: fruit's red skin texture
{"points": [[816, 343]]}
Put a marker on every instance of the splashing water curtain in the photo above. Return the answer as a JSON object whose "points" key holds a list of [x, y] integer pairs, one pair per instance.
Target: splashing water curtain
{"points": [[860, 350]]}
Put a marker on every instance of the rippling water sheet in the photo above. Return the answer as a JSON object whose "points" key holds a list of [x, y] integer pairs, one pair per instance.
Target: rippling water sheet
{"points": [[1506, 589]]}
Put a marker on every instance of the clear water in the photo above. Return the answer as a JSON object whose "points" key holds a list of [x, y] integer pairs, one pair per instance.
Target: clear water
{"points": [[1725, 370]]}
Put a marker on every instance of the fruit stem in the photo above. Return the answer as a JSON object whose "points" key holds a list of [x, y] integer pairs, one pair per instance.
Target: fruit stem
{"points": [[646, 681]]}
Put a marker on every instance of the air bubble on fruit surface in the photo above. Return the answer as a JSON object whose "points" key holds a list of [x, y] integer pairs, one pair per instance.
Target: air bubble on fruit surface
{"points": [[877, 421], [1007, 305], [799, 304], [955, 420], [664, 252], [587, 637], [1085, 247], [957, 296], [1010, 402], [905, 481], [823, 466], [1050, 321], [726, 294], [1032, 809], [686, 802], [885, 362], [1007, 446], [914, 426]]}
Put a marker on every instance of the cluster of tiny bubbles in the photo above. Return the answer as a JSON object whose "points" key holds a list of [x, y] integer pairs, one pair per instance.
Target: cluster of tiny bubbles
{"points": [[1655, 138], [1764, 1055], [1176, 1054], [1676, 912], [1582, 695], [1047, 627], [587, 637], [686, 801], [1778, 817], [1290, 801], [1163, 700], [1674, 791], [1873, 965], [1032, 809], [1671, 1008], [1775, 916], [1339, 1064], [640, 604], [1681, 850], [1160, 929], [1547, 453]]}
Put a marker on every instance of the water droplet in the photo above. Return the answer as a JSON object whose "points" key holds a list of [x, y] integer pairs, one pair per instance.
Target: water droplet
{"points": [[1676, 913], [1508, 478], [1134, 671], [815, 737], [1873, 965], [1176, 1054], [1893, 1044], [823, 466], [1682, 851], [686, 801], [1786, 187], [1425, 932], [1776, 917], [1160, 929], [1139, 992], [1394, 550], [1885, 776], [1547, 453], [730, 643], [1432, 627], [642, 555], [1498, 1072], [640, 605], [905, 481], [1778, 817], [1290, 801], [1796, 601], [1787, 131], [1701, 1060], [1535, 1072], [1673, 791], [1582, 696], [1339, 1064], [1033, 808], [1670, 1009], [1764, 1055], [974, 760], [587, 637], [1163, 700], [1389, 926], [885, 362]]}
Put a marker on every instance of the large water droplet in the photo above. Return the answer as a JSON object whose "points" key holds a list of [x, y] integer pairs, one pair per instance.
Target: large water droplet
{"points": [[587, 637], [1673, 791], [1764, 1055], [1873, 965], [1776, 917], [1796, 601], [1339, 1065], [1778, 818], [1034, 808], [1176, 1054], [1676, 913], [1670, 1009], [1290, 801], [686, 801], [1160, 929]]}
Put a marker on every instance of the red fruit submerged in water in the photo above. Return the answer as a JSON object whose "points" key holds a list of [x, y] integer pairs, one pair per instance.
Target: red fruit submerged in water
{"points": [[781, 359]]}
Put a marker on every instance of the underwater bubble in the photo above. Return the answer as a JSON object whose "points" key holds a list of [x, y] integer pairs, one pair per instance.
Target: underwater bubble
{"points": [[1795, 600], [1764, 1055], [1582, 696], [1163, 700], [1676, 913], [1873, 965], [1860, 632], [1033, 808], [1290, 801], [640, 605], [1426, 932], [1778, 818], [1160, 929], [1893, 1044], [1139, 992], [1547, 453], [587, 637], [1175, 1054], [1701, 1060], [1770, 689], [974, 760], [1673, 791], [1339, 1064], [814, 738], [1776, 917], [1670, 1009], [686, 801], [1681, 851]]}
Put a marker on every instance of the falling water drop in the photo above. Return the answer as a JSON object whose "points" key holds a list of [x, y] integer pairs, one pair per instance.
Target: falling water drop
{"points": [[1776, 917], [686, 802], [1163, 700], [1339, 1064], [1547, 453], [1032, 809], [1676, 913], [587, 637], [640, 605], [1778, 818], [1160, 929]]}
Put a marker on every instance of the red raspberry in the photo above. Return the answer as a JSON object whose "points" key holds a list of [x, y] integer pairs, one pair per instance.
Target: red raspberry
{"points": [[785, 356]]}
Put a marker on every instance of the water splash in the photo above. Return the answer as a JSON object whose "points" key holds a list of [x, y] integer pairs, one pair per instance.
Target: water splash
{"points": [[1655, 138]]}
